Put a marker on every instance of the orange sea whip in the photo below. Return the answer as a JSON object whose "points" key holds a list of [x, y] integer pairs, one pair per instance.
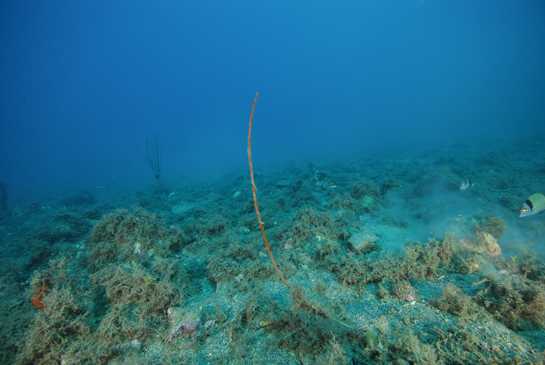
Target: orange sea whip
{"points": [[255, 197], [297, 294]]}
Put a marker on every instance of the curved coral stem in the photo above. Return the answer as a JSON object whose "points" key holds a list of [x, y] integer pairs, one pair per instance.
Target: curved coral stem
{"points": [[297, 294], [255, 197]]}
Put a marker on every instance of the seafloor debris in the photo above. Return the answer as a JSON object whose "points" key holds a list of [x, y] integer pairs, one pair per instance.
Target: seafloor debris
{"points": [[184, 321]]}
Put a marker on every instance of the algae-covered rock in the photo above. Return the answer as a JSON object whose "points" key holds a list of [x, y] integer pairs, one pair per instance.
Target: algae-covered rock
{"points": [[405, 292], [364, 242], [367, 194], [492, 225], [490, 244]]}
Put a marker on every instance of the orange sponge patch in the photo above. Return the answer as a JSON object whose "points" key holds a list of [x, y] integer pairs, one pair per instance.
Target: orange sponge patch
{"points": [[37, 298]]}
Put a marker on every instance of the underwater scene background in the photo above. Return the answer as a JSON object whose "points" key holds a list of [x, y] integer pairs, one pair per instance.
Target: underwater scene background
{"points": [[395, 146]]}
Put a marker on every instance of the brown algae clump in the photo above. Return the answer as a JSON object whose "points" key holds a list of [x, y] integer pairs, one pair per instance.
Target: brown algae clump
{"points": [[367, 194], [132, 236], [457, 303], [493, 225]]}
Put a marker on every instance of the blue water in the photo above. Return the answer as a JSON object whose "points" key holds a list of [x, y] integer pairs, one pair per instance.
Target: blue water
{"points": [[83, 83]]}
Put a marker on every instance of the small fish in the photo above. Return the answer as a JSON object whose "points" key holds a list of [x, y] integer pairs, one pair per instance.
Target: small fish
{"points": [[466, 184], [535, 204], [331, 187]]}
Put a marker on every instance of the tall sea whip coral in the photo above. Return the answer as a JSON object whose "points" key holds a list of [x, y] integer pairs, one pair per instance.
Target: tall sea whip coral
{"points": [[297, 294], [255, 197]]}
